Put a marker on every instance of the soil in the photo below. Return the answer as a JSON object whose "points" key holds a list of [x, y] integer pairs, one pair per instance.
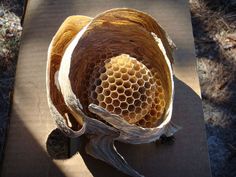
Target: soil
{"points": [[214, 30]]}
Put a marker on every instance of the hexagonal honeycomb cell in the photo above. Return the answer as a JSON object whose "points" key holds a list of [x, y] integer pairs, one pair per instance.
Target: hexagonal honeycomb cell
{"points": [[125, 87]]}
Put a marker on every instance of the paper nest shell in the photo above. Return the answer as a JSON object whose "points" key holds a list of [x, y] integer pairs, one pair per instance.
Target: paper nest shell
{"points": [[111, 77]]}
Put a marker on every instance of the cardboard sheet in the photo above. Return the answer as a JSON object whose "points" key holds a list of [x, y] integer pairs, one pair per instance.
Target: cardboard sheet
{"points": [[31, 123]]}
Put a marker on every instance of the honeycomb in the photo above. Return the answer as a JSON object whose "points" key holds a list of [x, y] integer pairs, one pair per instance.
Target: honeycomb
{"points": [[153, 118], [126, 87], [123, 86], [93, 70]]}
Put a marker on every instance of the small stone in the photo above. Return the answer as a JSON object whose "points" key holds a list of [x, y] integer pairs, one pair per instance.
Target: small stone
{"points": [[9, 35], [1, 13], [222, 33], [19, 28], [229, 46], [5, 51]]}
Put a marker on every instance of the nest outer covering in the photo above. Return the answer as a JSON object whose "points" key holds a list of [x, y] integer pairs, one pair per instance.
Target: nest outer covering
{"points": [[77, 43]]}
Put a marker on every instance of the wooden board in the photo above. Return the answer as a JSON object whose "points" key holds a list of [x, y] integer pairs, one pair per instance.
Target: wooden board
{"points": [[26, 153]]}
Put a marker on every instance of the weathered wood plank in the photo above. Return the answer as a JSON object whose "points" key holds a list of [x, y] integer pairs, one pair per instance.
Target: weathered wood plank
{"points": [[31, 123]]}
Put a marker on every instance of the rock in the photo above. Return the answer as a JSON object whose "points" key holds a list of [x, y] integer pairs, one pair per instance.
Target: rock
{"points": [[232, 36], [229, 42], [229, 46], [1, 23]]}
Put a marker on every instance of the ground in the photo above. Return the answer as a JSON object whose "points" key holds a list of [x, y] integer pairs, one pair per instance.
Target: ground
{"points": [[214, 24], [10, 33], [214, 30]]}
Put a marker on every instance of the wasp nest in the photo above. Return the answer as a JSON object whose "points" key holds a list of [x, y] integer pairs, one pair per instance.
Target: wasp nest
{"points": [[111, 77]]}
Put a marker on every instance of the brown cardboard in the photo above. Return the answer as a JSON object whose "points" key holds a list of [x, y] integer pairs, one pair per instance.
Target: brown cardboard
{"points": [[31, 123]]}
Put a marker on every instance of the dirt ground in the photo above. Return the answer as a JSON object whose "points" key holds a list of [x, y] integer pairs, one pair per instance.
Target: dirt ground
{"points": [[10, 33], [214, 30]]}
